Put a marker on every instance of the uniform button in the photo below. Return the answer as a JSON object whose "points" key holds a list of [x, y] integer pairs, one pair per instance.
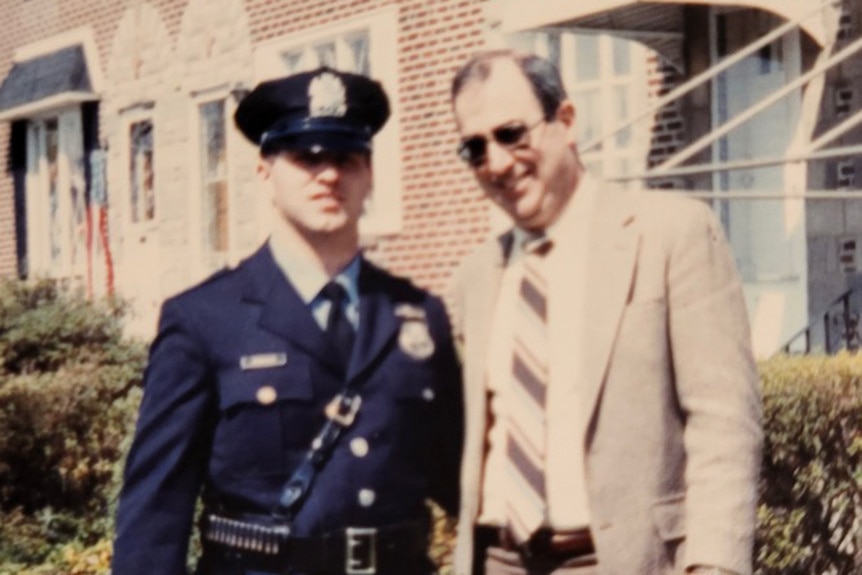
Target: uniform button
{"points": [[428, 394], [266, 395], [359, 446], [367, 497]]}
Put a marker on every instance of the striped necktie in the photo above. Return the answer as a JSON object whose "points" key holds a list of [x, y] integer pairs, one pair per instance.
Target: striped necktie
{"points": [[526, 504]]}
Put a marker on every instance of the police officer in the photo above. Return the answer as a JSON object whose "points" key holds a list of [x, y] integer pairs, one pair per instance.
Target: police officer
{"points": [[312, 399]]}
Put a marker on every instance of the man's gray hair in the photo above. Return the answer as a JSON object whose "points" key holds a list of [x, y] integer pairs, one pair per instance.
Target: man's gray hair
{"points": [[542, 75]]}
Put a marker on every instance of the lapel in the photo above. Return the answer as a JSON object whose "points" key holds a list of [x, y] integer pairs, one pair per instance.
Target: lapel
{"points": [[282, 310], [377, 320], [480, 301], [613, 251]]}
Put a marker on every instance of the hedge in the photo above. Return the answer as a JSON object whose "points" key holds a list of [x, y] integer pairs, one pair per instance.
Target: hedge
{"points": [[69, 390]]}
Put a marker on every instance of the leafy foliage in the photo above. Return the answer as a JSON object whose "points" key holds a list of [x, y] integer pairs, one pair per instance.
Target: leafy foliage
{"points": [[68, 395], [810, 517]]}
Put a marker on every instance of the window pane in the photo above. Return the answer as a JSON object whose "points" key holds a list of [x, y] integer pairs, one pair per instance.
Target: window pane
{"points": [[357, 46], [548, 46], [621, 112], [622, 56], [586, 57], [292, 61], [141, 188], [213, 150], [214, 175], [325, 54], [589, 114], [52, 147], [216, 223]]}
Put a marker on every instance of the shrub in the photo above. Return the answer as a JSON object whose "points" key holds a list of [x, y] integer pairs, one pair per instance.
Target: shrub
{"points": [[68, 396], [810, 515]]}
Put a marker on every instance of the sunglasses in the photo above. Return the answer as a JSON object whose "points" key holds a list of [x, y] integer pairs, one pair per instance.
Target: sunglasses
{"points": [[474, 149]]}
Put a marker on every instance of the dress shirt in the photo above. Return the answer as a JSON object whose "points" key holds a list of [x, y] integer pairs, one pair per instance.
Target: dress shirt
{"points": [[308, 280], [564, 461]]}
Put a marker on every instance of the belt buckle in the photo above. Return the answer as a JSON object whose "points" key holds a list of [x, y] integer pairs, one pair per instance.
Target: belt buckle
{"points": [[360, 552]]}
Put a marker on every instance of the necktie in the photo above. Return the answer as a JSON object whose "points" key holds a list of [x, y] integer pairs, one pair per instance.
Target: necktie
{"points": [[338, 328], [526, 504]]}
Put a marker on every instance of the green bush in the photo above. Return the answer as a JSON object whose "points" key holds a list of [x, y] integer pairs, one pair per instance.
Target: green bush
{"points": [[810, 515], [69, 389]]}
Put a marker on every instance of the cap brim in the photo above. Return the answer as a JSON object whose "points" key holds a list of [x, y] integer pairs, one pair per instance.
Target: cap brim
{"points": [[317, 141]]}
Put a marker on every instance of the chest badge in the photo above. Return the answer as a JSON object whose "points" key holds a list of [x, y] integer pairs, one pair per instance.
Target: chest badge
{"points": [[415, 338]]}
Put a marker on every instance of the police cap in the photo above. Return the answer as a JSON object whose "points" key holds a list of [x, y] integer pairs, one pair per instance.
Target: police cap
{"points": [[324, 109]]}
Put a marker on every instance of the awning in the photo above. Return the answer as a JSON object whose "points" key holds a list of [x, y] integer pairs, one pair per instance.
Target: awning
{"points": [[46, 82], [658, 23]]}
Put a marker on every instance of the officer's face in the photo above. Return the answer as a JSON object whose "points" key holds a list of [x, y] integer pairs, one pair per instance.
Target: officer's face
{"points": [[525, 164], [318, 193]]}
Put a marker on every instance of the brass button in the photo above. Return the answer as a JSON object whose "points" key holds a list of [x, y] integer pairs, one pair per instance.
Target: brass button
{"points": [[367, 497], [359, 446], [266, 395]]}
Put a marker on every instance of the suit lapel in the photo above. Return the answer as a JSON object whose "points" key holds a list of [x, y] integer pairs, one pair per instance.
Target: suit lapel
{"points": [[378, 322], [480, 302], [613, 242], [282, 310]]}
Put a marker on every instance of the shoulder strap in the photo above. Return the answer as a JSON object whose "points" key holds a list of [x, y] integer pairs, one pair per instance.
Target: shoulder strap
{"points": [[340, 414]]}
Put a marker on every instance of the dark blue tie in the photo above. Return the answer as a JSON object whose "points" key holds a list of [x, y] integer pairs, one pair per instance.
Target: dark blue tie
{"points": [[338, 328]]}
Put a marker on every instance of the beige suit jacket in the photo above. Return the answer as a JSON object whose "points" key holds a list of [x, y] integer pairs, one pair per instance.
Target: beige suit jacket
{"points": [[671, 425]]}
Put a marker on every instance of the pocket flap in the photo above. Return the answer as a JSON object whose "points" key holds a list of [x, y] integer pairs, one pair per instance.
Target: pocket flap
{"points": [[266, 386]]}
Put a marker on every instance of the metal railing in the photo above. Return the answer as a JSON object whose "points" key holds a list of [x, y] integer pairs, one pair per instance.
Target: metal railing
{"points": [[835, 329]]}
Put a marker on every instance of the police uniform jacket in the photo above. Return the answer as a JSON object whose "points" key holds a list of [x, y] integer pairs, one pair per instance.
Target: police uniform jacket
{"points": [[236, 428]]}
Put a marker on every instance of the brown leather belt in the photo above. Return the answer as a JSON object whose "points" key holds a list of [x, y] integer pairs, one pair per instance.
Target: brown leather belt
{"points": [[545, 543]]}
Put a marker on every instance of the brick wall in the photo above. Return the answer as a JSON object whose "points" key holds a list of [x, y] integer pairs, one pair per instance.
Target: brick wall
{"points": [[668, 132], [443, 213]]}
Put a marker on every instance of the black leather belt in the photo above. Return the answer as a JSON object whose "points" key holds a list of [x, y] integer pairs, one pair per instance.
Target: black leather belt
{"points": [[258, 543], [556, 545]]}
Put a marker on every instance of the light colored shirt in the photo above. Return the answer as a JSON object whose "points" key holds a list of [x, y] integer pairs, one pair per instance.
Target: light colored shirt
{"points": [[565, 267], [309, 280]]}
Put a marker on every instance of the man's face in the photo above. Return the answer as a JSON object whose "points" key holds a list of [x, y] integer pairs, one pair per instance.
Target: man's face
{"points": [[532, 177], [318, 193]]}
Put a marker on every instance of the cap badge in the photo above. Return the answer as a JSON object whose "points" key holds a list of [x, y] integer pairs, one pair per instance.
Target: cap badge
{"points": [[327, 96]]}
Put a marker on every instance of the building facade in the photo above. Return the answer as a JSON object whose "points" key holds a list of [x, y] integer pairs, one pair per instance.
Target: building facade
{"points": [[125, 174]]}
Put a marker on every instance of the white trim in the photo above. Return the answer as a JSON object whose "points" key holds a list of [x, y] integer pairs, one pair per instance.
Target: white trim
{"points": [[46, 105]]}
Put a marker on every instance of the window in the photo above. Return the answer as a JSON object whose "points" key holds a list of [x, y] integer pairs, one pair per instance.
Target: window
{"points": [[56, 197], [605, 77], [345, 52], [367, 46], [213, 177], [142, 193]]}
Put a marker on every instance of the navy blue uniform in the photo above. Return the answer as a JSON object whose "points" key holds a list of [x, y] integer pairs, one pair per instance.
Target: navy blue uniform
{"points": [[234, 392]]}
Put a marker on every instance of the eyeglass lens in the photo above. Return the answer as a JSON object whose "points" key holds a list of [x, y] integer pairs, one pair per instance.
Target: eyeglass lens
{"points": [[473, 150]]}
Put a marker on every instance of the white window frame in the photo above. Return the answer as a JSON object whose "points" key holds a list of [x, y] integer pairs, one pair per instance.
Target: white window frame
{"points": [[383, 214], [129, 118], [205, 260], [38, 204]]}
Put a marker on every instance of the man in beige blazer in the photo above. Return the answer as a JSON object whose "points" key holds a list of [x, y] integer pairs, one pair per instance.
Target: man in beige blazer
{"points": [[651, 404]]}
